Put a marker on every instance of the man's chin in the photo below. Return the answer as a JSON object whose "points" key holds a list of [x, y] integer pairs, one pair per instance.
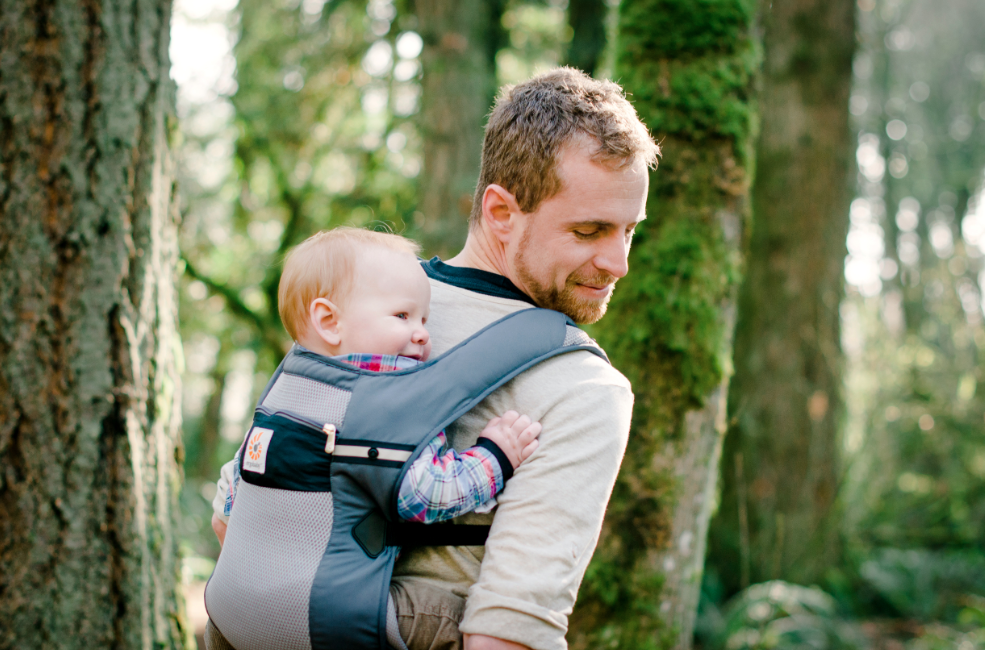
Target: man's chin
{"points": [[581, 311]]}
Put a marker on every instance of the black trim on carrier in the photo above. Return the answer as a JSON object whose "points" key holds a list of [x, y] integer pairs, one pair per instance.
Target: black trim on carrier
{"points": [[400, 534], [296, 458]]}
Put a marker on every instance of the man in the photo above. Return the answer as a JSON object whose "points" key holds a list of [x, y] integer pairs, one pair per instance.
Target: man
{"points": [[562, 187]]}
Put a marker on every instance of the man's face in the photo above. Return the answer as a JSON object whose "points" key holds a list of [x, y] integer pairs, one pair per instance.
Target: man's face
{"points": [[569, 252]]}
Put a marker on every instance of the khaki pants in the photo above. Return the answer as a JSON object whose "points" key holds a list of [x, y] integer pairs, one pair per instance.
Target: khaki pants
{"points": [[214, 640], [428, 619]]}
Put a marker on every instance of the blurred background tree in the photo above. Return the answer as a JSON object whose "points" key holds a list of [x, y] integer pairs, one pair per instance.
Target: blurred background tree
{"points": [[781, 460]]}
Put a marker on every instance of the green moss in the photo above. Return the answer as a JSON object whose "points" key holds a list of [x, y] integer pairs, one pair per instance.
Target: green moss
{"points": [[689, 67], [682, 28]]}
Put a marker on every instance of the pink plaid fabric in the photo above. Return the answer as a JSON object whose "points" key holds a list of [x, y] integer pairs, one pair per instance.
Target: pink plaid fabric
{"points": [[442, 483]]}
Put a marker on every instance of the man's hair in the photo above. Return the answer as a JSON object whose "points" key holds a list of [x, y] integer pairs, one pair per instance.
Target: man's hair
{"points": [[324, 266], [533, 121]]}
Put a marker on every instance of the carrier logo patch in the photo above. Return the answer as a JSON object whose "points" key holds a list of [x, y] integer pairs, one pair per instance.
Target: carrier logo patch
{"points": [[256, 450]]}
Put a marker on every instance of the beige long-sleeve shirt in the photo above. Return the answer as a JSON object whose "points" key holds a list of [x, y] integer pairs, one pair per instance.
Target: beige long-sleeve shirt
{"points": [[523, 584]]}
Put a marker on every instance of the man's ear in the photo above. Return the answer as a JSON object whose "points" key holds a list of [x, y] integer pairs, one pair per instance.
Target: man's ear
{"points": [[499, 207], [323, 317]]}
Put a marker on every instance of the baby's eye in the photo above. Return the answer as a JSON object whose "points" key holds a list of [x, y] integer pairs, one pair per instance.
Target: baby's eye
{"points": [[402, 315]]}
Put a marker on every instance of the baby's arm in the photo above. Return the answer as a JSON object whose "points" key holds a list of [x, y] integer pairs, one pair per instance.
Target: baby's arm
{"points": [[441, 484]]}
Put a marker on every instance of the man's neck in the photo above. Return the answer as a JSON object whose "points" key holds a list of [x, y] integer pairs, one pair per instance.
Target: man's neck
{"points": [[480, 253]]}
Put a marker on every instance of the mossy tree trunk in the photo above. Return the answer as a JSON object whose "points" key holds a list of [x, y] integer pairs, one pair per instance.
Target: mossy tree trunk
{"points": [[689, 66], [89, 355], [780, 466], [461, 38]]}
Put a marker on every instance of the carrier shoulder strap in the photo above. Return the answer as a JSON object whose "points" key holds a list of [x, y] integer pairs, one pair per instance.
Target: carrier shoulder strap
{"points": [[401, 411]]}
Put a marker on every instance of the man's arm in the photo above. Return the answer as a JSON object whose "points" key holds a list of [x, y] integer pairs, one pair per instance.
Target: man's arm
{"points": [[483, 642], [550, 513]]}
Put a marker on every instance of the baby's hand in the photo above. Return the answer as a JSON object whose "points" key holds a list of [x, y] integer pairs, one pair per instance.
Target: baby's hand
{"points": [[515, 434]]}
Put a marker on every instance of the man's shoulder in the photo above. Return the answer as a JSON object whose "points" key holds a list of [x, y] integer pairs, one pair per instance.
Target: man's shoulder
{"points": [[457, 313], [576, 373]]}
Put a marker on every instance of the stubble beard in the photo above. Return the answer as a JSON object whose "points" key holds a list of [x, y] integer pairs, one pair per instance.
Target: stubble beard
{"points": [[565, 300]]}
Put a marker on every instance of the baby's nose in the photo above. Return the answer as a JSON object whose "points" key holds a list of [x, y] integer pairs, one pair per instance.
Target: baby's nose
{"points": [[421, 336]]}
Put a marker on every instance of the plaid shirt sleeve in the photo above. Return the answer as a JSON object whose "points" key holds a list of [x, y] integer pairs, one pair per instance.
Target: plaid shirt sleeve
{"points": [[233, 485], [442, 484]]}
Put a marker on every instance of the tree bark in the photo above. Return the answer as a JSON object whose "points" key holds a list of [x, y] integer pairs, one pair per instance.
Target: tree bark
{"points": [[785, 401], [459, 79], [689, 67], [89, 353]]}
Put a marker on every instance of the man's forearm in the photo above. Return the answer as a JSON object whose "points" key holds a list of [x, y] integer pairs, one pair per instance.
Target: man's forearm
{"points": [[483, 642]]}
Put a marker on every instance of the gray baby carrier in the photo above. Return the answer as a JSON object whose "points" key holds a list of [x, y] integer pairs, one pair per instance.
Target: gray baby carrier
{"points": [[310, 548]]}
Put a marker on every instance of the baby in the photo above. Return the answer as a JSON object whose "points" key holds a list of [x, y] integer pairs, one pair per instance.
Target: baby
{"points": [[362, 298]]}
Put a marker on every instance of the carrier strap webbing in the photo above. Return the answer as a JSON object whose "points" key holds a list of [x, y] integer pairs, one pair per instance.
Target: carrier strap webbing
{"points": [[398, 534]]}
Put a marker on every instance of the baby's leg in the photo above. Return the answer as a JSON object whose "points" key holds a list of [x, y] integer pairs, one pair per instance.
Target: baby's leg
{"points": [[428, 617]]}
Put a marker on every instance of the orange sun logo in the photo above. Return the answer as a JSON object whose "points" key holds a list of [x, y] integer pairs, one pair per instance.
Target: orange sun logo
{"points": [[255, 447]]}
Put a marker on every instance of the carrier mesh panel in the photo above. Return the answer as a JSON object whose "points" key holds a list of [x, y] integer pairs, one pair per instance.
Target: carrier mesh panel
{"points": [[392, 627], [308, 398], [258, 595], [575, 336]]}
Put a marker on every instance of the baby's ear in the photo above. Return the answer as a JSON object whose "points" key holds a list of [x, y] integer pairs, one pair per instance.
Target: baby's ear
{"points": [[323, 318]]}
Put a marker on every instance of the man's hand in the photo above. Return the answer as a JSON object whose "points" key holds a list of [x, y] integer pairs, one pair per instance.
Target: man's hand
{"points": [[515, 434], [220, 528], [483, 642]]}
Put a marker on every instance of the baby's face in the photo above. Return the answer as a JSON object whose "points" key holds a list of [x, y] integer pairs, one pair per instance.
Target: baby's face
{"points": [[386, 311]]}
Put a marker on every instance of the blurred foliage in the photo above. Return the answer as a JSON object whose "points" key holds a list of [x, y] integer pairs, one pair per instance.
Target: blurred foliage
{"points": [[914, 332], [928, 585], [778, 614]]}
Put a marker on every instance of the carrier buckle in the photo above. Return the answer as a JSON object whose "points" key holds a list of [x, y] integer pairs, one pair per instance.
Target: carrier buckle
{"points": [[329, 430]]}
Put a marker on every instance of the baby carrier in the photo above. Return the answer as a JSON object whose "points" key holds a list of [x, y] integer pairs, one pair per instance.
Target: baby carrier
{"points": [[310, 548]]}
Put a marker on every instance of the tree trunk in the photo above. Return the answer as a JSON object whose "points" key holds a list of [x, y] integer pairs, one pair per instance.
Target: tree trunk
{"points": [[459, 78], [785, 404], [689, 67], [89, 353], [587, 21]]}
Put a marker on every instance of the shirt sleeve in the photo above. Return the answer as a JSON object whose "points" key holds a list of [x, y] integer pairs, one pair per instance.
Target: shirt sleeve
{"points": [[225, 493], [443, 483], [548, 520]]}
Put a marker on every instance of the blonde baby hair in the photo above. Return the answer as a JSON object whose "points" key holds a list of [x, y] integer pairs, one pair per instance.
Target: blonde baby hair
{"points": [[324, 266]]}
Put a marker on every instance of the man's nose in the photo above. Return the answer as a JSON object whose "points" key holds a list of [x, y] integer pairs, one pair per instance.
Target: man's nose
{"points": [[613, 258]]}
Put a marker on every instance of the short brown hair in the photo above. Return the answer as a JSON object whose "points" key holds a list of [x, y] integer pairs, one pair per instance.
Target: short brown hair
{"points": [[324, 266], [532, 122]]}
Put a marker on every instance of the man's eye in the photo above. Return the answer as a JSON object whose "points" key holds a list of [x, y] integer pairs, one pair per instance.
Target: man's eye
{"points": [[582, 234]]}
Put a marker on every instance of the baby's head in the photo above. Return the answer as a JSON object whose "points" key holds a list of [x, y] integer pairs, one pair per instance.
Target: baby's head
{"points": [[349, 291]]}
